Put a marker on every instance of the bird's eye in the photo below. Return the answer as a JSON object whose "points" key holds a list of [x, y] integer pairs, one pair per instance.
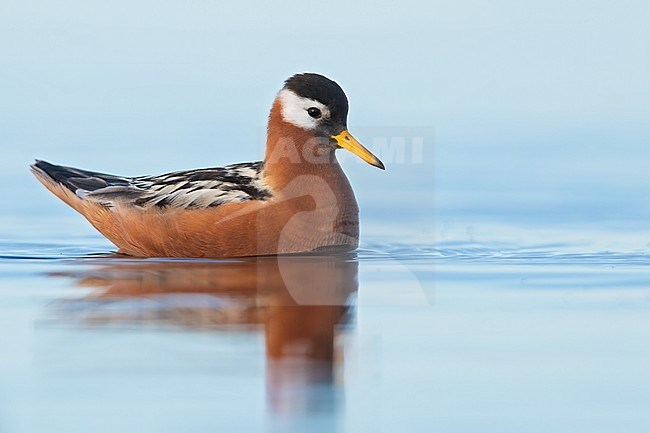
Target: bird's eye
{"points": [[314, 112]]}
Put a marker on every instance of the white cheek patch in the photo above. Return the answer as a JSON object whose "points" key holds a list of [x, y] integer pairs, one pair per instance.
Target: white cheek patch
{"points": [[294, 110]]}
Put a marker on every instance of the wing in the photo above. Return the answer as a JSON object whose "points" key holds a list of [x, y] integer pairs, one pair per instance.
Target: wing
{"points": [[192, 189]]}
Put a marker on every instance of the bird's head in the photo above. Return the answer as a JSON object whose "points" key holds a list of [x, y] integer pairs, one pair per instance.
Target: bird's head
{"points": [[319, 106]]}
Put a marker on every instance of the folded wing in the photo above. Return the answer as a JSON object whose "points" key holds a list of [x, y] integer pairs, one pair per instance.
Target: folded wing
{"points": [[192, 189]]}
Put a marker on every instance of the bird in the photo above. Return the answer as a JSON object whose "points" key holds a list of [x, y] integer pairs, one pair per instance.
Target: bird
{"points": [[296, 200]]}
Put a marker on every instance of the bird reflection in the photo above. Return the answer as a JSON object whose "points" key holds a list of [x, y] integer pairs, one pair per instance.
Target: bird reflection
{"points": [[301, 302]]}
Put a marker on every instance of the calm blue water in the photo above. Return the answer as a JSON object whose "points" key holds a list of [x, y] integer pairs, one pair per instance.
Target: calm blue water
{"points": [[503, 281], [411, 337]]}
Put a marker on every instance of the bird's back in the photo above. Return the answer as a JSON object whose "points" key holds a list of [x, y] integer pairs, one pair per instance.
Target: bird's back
{"points": [[191, 189]]}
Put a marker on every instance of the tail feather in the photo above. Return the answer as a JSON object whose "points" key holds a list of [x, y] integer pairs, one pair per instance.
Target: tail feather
{"points": [[76, 179], [66, 183], [57, 180]]}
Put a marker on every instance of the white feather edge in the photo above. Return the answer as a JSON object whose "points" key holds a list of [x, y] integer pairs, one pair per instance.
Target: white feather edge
{"points": [[203, 197]]}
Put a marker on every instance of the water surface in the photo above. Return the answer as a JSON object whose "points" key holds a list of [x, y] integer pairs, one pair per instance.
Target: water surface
{"points": [[406, 337]]}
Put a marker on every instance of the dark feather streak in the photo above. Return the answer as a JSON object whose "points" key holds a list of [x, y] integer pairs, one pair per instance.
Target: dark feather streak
{"points": [[142, 191]]}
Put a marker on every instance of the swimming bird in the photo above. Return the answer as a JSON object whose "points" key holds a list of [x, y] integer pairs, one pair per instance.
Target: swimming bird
{"points": [[296, 200]]}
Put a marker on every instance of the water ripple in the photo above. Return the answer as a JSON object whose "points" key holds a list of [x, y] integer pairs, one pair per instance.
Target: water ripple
{"points": [[433, 253], [506, 255]]}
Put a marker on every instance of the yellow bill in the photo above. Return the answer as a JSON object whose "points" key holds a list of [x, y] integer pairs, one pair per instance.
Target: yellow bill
{"points": [[347, 141]]}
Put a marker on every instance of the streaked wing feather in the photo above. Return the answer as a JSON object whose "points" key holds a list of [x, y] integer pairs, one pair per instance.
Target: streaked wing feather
{"points": [[192, 189]]}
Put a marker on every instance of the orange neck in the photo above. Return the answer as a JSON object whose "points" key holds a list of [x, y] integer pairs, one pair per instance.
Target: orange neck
{"points": [[292, 151]]}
